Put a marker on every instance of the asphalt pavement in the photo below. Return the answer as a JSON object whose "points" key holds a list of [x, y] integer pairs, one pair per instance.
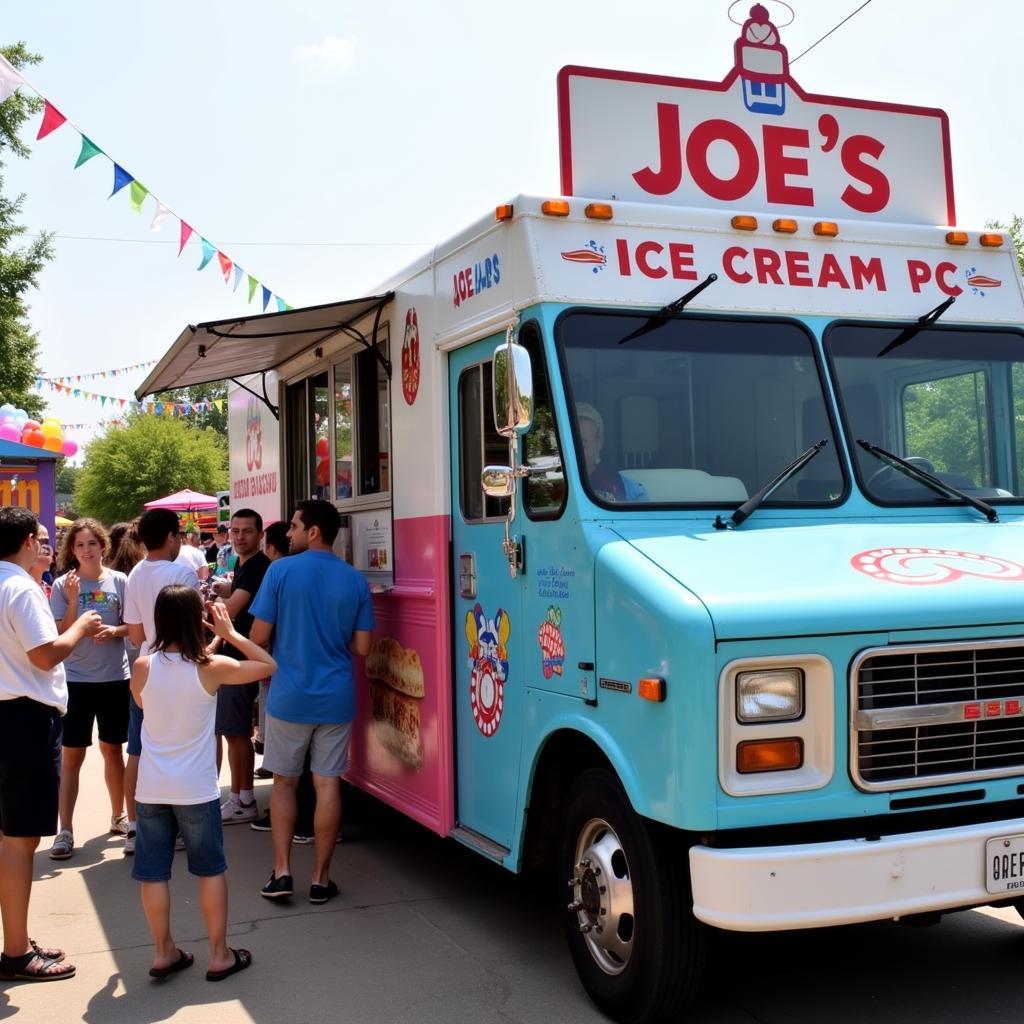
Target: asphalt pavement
{"points": [[425, 931]]}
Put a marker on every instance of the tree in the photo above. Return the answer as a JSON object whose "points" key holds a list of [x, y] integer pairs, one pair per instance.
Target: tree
{"points": [[19, 266], [213, 418], [147, 458]]}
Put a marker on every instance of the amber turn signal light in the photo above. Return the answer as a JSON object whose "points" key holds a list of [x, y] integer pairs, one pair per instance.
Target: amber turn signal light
{"points": [[503, 212], [956, 238], [769, 755], [784, 224], [826, 228], [599, 211], [555, 208], [741, 222], [651, 689], [991, 241]]}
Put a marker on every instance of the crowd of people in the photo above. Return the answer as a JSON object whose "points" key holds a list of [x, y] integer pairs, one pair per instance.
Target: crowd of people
{"points": [[166, 660]]}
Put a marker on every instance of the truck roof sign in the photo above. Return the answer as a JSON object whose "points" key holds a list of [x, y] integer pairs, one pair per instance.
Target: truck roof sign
{"points": [[753, 142]]}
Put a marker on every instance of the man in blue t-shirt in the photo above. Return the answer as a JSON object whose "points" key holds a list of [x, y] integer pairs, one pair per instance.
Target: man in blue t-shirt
{"points": [[315, 612]]}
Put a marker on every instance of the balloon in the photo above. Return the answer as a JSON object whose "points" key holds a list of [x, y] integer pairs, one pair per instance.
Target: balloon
{"points": [[34, 438], [323, 473], [69, 448], [20, 414], [52, 443], [49, 419], [9, 432], [30, 425], [6, 410], [52, 429], [323, 447]]}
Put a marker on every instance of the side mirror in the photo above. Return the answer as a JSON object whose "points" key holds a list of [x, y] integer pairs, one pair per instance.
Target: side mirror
{"points": [[498, 481], [513, 389]]}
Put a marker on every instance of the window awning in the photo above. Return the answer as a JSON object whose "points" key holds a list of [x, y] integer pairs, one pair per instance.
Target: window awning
{"points": [[224, 349]]}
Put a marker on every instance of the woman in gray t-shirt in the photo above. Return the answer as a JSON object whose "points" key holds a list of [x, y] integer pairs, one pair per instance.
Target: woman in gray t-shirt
{"points": [[97, 673]]}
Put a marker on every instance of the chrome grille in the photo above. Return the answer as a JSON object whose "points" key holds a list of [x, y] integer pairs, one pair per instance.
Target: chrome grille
{"points": [[938, 713]]}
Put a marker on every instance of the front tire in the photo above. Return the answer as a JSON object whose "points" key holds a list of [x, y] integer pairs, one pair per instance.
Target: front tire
{"points": [[635, 943]]}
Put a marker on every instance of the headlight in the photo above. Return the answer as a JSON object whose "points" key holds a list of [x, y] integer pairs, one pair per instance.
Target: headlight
{"points": [[771, 695]]}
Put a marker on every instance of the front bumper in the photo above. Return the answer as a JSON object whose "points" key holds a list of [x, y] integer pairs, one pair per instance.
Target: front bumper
{"points": [[777, 888]]}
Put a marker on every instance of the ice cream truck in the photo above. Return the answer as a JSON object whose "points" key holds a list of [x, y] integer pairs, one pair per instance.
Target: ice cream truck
{"points": [[692, 502]]}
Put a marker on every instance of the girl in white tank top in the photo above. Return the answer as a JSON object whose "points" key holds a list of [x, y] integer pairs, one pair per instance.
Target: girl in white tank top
{"points": [[176, 685]]}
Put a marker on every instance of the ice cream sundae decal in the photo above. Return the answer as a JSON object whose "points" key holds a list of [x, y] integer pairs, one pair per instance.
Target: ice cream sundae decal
{"points": [[488, 663], [762, 62], [552, 646], [411, 357], [932, 566]]}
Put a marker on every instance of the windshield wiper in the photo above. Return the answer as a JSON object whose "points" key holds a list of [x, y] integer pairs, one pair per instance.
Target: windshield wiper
{"points": [[934, 482], [667, 312], [744, 511], [921, 322]]}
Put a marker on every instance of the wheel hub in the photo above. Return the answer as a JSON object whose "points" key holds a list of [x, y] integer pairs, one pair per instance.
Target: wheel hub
{"points": [[602, 893]]}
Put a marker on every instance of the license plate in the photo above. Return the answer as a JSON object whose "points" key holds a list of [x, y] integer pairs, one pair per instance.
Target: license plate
{"points": [[1004, 864]]}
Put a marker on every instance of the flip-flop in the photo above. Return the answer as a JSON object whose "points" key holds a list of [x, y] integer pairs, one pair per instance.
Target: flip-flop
{"points": [[184, 960], [243, 958]]}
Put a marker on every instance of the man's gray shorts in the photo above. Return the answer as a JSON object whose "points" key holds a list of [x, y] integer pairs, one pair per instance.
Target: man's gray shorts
{"points": [[285, 745]]}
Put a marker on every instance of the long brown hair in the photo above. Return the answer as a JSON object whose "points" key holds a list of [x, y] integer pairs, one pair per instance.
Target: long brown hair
{"points": [[66, 559], [126, 549], [178, 620]]}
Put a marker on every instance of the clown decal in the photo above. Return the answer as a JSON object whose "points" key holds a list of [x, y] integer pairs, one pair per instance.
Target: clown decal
{"points": [[488, 664], [411, 357]]}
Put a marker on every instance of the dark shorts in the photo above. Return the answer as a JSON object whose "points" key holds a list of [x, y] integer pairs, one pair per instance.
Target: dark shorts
{"points": [[134, 748], [157, 826], [29, 768], [234, 709], [103, 703]]}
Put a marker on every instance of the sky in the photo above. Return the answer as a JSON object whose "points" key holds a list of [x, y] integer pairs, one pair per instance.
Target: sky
{"points": [[325, 144]]}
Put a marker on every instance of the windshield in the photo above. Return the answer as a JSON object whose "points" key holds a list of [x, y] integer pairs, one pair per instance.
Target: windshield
{"points": [[949, 400], [697, 411]]}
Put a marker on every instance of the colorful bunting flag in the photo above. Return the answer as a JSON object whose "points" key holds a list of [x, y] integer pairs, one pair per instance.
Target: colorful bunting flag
{"points": [[225, 265], [209, 251], [252, 286], [266, 297], [138, 196], [162, 213], [238, 277], [52, 120], [121, 178], [280, 304], [10, 78], [88, 151], [186, 231]]}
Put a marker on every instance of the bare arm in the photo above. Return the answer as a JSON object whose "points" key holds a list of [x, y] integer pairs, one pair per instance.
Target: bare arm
{"points": [[236, 602], [136, 634], [140, 676], [260, 632], [71, 591], [360, 644], [224, 671], [50, 655]]}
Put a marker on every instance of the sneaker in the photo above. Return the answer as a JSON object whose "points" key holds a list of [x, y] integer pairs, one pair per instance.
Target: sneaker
{"points": [[119, 824], [277, 888], [179, 842], [62, 845], [234, 811], [322, 893], [263, 773], [129, 843], [261, 824], [303, 838]]}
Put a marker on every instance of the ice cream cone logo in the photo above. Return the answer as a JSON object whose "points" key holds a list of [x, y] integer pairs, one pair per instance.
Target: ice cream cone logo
{"points": [[411, 357], [762, 62], [488, 662]]}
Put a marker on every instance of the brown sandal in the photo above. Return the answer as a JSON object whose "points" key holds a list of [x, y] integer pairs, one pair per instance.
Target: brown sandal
{"points": [[33, 967]]}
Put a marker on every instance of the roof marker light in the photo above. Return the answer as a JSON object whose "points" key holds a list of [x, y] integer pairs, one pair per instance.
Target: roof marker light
{"points": [[956, 238], [555, 208], [991, 241], [826, 228], [503, 212], [786, 225], [741, 222], [599, 211]]}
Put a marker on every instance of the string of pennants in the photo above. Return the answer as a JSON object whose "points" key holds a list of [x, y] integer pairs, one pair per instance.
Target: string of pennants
{"points": [[77, 378], [11, 78], [151, 408]]}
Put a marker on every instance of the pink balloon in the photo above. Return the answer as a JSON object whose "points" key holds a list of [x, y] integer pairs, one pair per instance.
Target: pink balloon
{"points": [[9, 432], [30, 425], [69, 448]]}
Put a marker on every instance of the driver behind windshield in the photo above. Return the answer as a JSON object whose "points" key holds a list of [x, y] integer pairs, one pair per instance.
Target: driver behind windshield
{"points": [[607, 484]]}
